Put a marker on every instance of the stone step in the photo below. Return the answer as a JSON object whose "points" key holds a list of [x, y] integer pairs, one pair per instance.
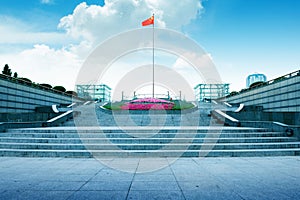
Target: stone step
{"points": [[138, 129], [123, 120], [144, 140], [145, 147], [142, 135], [150, 153]]}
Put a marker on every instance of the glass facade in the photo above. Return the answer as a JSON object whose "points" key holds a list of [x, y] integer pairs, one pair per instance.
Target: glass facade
{"points": [[254, 78], [211, 91], [100, 92]]}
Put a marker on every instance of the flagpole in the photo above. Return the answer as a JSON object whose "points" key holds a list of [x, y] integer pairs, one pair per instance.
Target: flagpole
{"points": [[153, 61]]}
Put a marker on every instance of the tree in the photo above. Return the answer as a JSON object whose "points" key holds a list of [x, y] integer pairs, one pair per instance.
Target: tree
{"points": [[59, 88], [15, 75], [6, 70]]}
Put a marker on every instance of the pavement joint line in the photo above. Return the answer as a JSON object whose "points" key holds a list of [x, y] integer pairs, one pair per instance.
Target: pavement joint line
{"points": [[84, 183], [170, 166], [222, 182], [129, 189]]}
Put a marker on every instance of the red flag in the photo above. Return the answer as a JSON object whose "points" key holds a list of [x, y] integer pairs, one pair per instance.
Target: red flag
{"points": [[148, 21]]}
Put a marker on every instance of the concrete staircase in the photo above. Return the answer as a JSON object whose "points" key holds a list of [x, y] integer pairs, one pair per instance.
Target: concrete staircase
{"points": [[192, 134], [146, 141]]}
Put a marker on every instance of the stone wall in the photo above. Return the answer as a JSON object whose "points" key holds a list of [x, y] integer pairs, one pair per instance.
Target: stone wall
{"points": [[20, 98], [278, 96], [26, 117], [290, 118]]}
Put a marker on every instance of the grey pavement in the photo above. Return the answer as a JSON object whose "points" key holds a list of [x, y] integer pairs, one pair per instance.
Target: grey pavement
{"points": [[186, 178]]}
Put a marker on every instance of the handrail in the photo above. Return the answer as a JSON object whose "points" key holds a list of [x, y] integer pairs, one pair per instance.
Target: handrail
{"points": [[240, 107], [226, 116], [54, 108], [214, 102], [59, 116], [87, 102], [71, 105], [227, 104]]}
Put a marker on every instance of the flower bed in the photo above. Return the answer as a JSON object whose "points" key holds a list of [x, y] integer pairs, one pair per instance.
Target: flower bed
{"points": [[148, 104]]}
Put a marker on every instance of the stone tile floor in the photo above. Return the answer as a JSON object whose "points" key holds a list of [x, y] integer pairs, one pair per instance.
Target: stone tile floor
{"points": [[161, 178]]}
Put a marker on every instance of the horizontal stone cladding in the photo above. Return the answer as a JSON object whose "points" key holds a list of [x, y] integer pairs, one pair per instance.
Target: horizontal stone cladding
{"points": [[21, 98], [281, 96]]}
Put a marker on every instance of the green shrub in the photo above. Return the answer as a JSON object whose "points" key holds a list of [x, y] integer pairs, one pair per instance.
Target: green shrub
{"points": [[59, 88], [25, 81], [46, 85], [72, 93]]}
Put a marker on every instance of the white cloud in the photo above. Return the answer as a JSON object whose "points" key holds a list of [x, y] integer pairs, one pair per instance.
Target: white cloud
{"points": [[43, 64], [17, 37], [56, 57], [16, 32], [96, 23], [46, 1], [188, 71], [181, 64]]}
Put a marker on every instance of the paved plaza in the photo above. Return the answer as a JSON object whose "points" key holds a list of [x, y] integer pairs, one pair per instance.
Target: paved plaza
{"points": [[186, 178]]}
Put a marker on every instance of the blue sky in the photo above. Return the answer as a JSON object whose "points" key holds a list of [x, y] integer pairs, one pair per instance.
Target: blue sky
{"points": [[242, 36], [251, 36], [44, 16]]}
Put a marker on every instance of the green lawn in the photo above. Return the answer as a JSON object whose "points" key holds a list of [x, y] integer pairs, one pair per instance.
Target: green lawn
{"points": [[182, 105], [114, 105]]}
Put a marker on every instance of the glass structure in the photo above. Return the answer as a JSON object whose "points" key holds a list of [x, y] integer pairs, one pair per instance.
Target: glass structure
{"points": [[254, 78], [208, 92], [100, 92]]}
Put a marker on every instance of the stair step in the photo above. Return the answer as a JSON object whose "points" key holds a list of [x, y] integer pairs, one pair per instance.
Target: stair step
{"points": [[150, 153], [139, 135], [145, 140], [144, 129], [169, 146]]}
